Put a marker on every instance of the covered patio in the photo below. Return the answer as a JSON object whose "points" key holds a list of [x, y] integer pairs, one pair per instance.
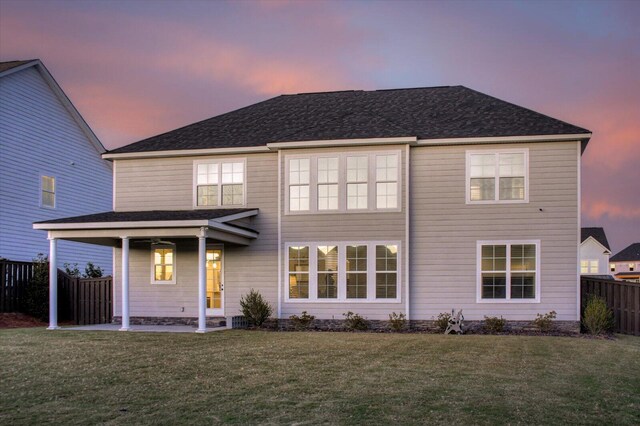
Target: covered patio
{"points": [[120, 229]]}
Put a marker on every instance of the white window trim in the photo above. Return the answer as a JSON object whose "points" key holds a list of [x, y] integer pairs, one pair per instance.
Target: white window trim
{"points": [[342, 273], [469, 153], [153, 264], [508, 243], [589, 266], [55, 192], [219, 162], [342, 182]]}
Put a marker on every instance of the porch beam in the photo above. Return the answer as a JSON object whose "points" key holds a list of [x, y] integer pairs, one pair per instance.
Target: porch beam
{"points": [[53, 284], [202, 283], [125, 284]]}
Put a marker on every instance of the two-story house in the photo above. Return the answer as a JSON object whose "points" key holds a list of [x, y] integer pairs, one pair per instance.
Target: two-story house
{"points": [[413, 201], [625, 265], [594, 252], [50, 166]]}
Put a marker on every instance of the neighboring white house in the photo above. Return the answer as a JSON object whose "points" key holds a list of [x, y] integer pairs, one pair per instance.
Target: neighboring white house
{"points": [[625, 265], [594, 252], [50, 166]]}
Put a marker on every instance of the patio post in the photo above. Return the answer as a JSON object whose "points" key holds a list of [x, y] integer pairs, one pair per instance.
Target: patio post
{"points": [[53, 284], [125, 284], [202, 283]]}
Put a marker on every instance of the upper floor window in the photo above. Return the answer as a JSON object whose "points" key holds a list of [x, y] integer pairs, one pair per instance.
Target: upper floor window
{"points": [[327, 183], [387, 181], [163, 264], [343, 182], [219, 183], [48, 191], [497, 176], [612, 267], [508, 271], [299, 174], [589, 266]]}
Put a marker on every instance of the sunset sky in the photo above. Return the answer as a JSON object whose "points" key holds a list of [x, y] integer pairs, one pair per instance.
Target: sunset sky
{"points": [[138, 68]]}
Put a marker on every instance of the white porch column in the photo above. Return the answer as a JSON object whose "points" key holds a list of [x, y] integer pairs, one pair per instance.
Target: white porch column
{"points": [[125, 284], [202, 283], [53, 284]]}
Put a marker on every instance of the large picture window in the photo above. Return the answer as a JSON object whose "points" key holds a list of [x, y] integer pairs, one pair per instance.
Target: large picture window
{"points": [[343, 271], [497, 176], [508, 271], [220, 183]]}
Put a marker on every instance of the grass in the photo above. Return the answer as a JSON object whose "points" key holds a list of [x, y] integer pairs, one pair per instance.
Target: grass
{"points": [[247, 377]]}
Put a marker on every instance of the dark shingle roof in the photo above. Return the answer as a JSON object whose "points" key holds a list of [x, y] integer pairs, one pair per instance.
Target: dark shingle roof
{"points": [[4, 66], [598, 234], [153, 215], [427, 113], [630, 253]]}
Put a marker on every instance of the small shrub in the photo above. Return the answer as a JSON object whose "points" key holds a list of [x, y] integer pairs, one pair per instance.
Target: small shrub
{"points": [[597, 318], [494, 324], [397, 322], [36, 294], [255, 308], [545, 322], [302, 322], [72, 270], [355, 321], [442, 321], [92, 271]]}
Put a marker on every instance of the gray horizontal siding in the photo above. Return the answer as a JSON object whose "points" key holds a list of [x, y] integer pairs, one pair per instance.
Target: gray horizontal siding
{"points": [[39, 137], [444, 232]]}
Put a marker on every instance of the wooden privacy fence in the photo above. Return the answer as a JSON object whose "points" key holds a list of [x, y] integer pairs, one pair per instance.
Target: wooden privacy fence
{"points": [[81, 300], [14, 278], [622, 297], [85, 300]]}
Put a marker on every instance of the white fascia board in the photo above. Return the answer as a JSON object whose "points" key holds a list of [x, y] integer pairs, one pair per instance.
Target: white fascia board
{"points": [[230, 229], [185, 152], [123, 225], [343, 142], [504, 139], [237, 216]]}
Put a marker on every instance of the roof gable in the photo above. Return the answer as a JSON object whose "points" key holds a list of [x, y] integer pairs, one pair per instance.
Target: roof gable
{"points": [[631, 253], [424, 113], [12, 67], [597, 234]]}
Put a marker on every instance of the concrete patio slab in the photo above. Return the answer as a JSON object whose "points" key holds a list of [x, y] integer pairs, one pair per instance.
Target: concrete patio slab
{"points": [[143, 328]]}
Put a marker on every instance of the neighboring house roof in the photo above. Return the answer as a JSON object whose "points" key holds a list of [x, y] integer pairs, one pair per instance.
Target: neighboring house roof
{"points": [[152, 216], [4, 66], [11, 67], [424, 113], [597, 234], [630, 253]]}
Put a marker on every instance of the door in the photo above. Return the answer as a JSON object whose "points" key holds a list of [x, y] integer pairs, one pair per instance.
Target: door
{"points": [[215, 282]]}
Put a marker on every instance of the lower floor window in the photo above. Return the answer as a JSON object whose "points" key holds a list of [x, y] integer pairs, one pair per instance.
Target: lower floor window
{"points": [[343, 271], [163, 264], [508, 270]]}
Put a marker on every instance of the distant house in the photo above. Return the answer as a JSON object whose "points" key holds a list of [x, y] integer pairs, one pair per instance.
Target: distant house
{"points": [[625, 265], [50, 166], [594, 252]]}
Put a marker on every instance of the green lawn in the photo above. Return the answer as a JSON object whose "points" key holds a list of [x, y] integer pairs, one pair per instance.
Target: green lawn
{"points": [[247, 377]]}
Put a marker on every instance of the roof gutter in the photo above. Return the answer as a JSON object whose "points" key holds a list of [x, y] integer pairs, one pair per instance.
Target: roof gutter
{"points": [[505, 139]]}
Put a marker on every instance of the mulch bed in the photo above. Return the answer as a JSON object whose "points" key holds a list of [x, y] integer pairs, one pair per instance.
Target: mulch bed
{"points": [[18, 320]]}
